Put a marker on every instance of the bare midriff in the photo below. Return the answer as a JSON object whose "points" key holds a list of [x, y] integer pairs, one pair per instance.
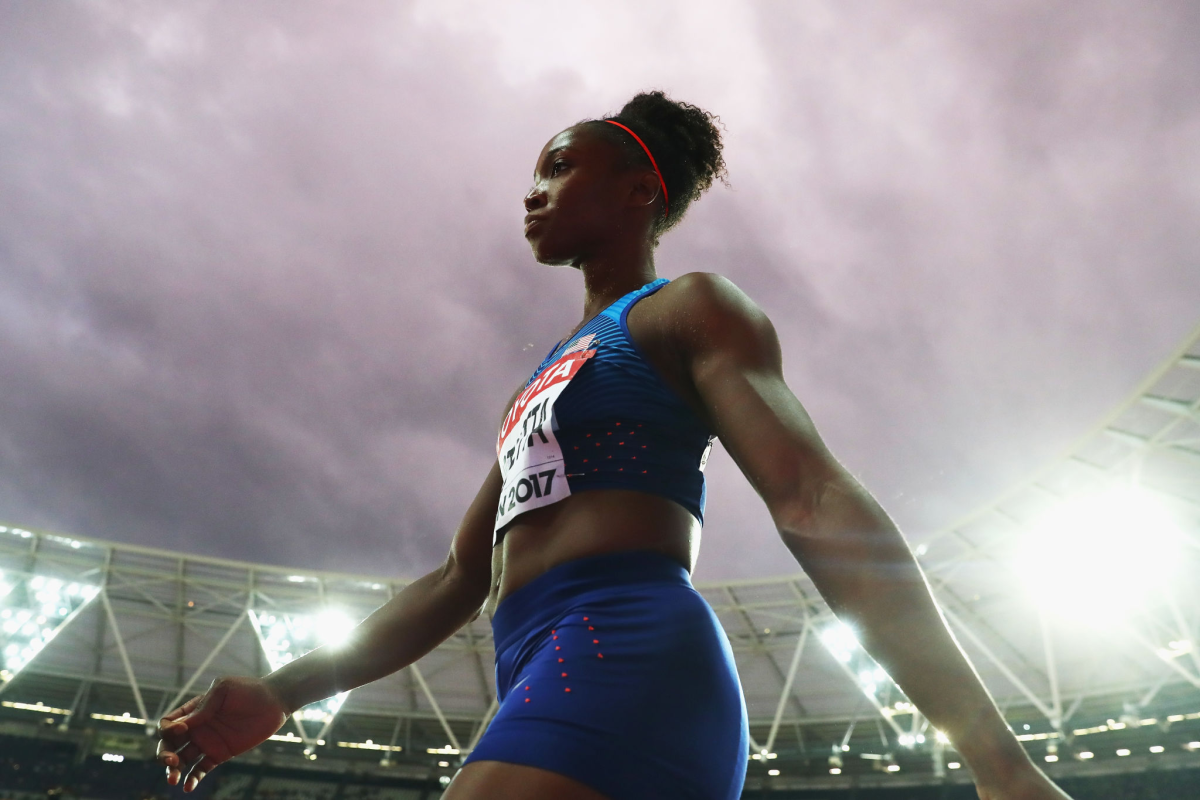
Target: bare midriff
{"points": [[591, 523]]}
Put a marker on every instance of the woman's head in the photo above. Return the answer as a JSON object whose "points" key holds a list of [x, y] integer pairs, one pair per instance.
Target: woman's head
{"points": [[594, 183]]}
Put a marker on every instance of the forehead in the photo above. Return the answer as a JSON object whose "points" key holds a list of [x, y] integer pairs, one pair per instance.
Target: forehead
{"points": [[576, 138], [560, 141]]}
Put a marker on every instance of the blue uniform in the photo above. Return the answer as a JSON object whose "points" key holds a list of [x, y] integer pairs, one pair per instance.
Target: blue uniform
{"points": [[620, 426], [612, 669]]}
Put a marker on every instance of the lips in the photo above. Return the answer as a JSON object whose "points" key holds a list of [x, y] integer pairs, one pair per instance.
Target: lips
{"points": [[531, 222]]}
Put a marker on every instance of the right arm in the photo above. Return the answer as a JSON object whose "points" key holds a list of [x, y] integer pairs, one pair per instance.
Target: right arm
{"points": [[236, 714], [419, 618]]}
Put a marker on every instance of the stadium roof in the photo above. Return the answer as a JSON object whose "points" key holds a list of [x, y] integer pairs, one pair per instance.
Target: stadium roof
{"points": [[115, 635]]}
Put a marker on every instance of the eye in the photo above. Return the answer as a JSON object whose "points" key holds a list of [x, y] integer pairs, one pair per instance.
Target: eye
{"points": [[554, 169]]}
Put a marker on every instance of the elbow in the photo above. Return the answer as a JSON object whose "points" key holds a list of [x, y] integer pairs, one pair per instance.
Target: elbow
{"points": [[468, 583], [835, 515], [810, 511]]}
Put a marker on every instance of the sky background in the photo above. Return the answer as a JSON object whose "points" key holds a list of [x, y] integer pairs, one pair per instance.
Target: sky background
{"points": [[263, 286]]}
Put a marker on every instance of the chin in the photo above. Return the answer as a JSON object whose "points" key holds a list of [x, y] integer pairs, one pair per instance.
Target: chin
{"points": [[551, 256]]}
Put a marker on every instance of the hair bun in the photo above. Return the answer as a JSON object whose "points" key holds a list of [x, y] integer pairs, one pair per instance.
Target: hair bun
{"points": [[686, 142]]}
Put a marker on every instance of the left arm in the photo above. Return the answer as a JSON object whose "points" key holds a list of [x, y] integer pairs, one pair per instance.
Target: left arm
{"points": [[843, 539]]}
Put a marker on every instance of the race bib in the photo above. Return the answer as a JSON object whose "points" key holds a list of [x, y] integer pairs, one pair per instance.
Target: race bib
{"points": [[531, 461]]}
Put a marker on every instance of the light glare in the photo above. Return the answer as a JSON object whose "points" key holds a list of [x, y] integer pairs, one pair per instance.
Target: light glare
{"points": [[1115, 549]]}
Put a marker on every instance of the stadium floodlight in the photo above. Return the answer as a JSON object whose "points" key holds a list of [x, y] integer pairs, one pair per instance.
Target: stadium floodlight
{"points": [[843, 645], [1102, 556], [33, 610], [286, 637], [1174, 649]]}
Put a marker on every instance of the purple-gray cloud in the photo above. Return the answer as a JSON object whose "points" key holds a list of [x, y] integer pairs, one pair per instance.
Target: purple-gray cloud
{"points": [[263, 288]]}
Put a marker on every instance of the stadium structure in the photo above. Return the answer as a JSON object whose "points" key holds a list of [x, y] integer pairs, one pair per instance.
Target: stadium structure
{"points": [[1074, 593]]}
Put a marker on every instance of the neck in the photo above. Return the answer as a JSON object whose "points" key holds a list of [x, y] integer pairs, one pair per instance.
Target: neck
{"points": [[611, 276]]}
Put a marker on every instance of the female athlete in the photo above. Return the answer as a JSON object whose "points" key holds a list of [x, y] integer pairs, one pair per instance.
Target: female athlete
{"points": [[616, 679]]}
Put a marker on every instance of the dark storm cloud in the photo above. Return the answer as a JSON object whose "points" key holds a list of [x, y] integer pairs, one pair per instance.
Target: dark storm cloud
{"points": [[263, 290]]}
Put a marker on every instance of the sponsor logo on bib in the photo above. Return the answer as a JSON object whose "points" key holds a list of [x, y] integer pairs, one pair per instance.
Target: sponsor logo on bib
{"points": [[531, 461]]}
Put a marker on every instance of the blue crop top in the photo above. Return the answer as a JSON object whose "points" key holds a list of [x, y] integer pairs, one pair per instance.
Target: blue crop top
{"points": [[616, 423]]}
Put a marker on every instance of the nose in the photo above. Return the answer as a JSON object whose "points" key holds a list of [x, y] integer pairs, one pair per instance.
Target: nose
{"points": [[535, 199]]}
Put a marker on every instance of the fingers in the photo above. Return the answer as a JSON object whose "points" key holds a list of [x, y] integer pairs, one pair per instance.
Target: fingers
{"points": [[175, 748], [177, 759], [172, 738], [196, 774], [183, 710], [165, 754], [173, 728], [189, 755]]}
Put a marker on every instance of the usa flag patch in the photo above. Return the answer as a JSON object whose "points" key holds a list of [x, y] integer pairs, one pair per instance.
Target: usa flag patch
{"points": [[580, 344]]}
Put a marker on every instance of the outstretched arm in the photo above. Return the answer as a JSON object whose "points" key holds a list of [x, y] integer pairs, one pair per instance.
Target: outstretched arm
{"points": [[236, 714], [843, 539], [419, 618]]}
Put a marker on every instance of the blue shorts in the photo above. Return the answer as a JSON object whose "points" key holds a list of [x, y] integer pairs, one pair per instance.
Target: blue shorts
{"points": [[614, 671]]}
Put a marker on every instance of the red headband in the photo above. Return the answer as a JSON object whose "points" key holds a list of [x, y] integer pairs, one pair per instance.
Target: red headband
{"points": [[653, 163]]}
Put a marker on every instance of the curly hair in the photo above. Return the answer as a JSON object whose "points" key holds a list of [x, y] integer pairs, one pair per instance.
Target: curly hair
{"points": [[685, 141]]}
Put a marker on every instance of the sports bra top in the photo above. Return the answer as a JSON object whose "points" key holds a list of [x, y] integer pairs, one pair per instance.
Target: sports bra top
{"points": [[597, 415]]}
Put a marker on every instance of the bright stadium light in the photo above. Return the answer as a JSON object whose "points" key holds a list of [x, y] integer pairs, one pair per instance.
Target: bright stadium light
{"points": [[333, 627], [33, 610], [839, 639], [286, 637], [1100, 556]]}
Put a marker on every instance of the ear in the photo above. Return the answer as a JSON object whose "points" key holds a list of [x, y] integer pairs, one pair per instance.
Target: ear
{"points": [[644, 188]]}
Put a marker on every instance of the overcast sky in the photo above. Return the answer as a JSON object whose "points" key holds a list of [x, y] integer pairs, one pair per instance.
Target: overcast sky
{"points": [[263, 287]]}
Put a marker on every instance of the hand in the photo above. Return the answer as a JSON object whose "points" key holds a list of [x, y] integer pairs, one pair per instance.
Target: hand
{"points": [[234, 715]]}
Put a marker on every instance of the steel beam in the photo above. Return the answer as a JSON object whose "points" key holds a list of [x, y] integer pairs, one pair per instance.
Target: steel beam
{"points": [[1170, 662], [437, 710], [883, 712], [133, 684], [1000, 665], [208, 659], [483, 724], [787, 685], [762, 650], [1051, 672]]}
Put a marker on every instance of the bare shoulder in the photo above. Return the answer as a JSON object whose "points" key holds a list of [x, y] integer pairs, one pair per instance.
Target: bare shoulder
{"points": [[708, 292], [707, 310]]}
